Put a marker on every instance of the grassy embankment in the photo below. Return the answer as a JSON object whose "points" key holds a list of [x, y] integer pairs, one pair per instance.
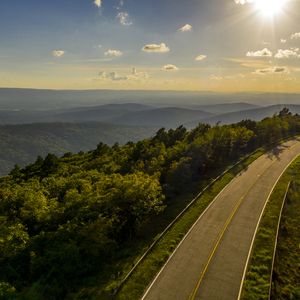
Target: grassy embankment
{"points": [[258, 276], [286, 275]]}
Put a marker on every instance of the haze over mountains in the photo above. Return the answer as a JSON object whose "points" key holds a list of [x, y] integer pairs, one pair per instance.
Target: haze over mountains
{"points": [[34, 99], [18, 106], [42, 121]]}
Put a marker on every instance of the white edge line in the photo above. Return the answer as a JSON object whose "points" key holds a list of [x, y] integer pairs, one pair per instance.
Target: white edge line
{"points": [[199, 195], [184, 238], [190, 204], [186, 235], [257, 226], [207, 208]]}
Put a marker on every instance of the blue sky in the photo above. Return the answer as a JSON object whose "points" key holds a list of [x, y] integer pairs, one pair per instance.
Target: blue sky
{"points": [[219, 45]]}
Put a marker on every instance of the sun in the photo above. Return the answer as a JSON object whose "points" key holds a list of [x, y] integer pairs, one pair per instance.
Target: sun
{"points": [[270, 7]]}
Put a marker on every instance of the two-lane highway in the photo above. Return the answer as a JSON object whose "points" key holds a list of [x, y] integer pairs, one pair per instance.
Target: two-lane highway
{"points": [[210, 261]]}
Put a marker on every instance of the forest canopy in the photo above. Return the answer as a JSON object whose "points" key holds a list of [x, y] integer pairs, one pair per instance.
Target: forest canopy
{"points": [[64, 219]]}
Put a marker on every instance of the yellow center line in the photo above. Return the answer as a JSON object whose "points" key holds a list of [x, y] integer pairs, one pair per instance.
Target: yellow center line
{"points": [[239, 203], [193, 296]]}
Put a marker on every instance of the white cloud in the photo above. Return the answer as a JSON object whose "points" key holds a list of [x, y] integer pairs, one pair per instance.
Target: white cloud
{"points": [[158, 48], [58, 53], [272, 70], [200, 57], [295, 36], [283, 41], [124, 19], [114, 76], [186, 27], [113, 53], [260, 53], [98, 3], [135, 75], [170, 67], [288, 53]]}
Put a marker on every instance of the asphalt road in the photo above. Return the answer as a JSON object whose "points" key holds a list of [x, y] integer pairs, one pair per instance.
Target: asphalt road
{"points": [[210, 261]]}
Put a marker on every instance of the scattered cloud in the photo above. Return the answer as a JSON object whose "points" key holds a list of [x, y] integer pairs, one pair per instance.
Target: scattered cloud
{"points": [[201, 57], [135, 75], [113, 53], [58, 53], [272, 70], [124, 18], [170, 67], [158, 48], [250, 62], [114, 76], [288, 53], [186, 27], [98, 3], [295, 36], [283, 41], [260, 53]]}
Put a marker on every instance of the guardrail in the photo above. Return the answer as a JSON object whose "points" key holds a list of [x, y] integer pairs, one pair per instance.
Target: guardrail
{"points": [[150, 248]]}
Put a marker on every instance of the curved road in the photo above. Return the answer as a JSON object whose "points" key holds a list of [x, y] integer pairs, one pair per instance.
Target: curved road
{"points": [[210, 261]]}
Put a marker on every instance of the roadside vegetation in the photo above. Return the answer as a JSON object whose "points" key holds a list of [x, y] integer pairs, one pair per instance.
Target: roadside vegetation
{"points": [[71, 227], [286, 275], [258, 277], [149, 267]]}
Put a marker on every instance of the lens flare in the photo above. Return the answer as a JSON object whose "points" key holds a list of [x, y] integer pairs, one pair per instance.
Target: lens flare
{"points": [[270, 7]]}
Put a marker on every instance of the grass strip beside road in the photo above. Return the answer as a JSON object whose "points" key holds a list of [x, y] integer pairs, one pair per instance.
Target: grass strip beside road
{"points": [[286, 273], [257, 280], [154, 261]]}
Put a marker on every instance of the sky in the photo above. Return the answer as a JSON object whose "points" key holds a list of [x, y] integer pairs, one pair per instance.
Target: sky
{"points": [[197, 45]]}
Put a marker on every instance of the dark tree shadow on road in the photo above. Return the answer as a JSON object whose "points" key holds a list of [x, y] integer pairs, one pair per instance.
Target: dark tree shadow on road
{"points": [[275, 152]]}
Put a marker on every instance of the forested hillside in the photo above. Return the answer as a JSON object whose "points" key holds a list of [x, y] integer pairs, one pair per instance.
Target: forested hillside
{"points": [[21, 144], [64, 220]]}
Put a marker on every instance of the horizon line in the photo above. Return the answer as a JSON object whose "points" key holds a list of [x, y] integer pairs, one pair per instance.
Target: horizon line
{"points": [[147, 90]]}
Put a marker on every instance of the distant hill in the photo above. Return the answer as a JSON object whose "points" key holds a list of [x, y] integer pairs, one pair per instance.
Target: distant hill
{"points": [[101, 113], [133, 115], [227, 107], [168, 117], [34, 99], [122, 114], [252, 114], [21, 144]]}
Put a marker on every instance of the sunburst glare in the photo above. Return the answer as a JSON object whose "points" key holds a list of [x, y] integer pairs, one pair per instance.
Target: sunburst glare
{"points": [[270, 8]]}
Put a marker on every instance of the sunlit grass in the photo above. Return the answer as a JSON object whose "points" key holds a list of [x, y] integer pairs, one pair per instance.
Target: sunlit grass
{"points": [[257, 281]]}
